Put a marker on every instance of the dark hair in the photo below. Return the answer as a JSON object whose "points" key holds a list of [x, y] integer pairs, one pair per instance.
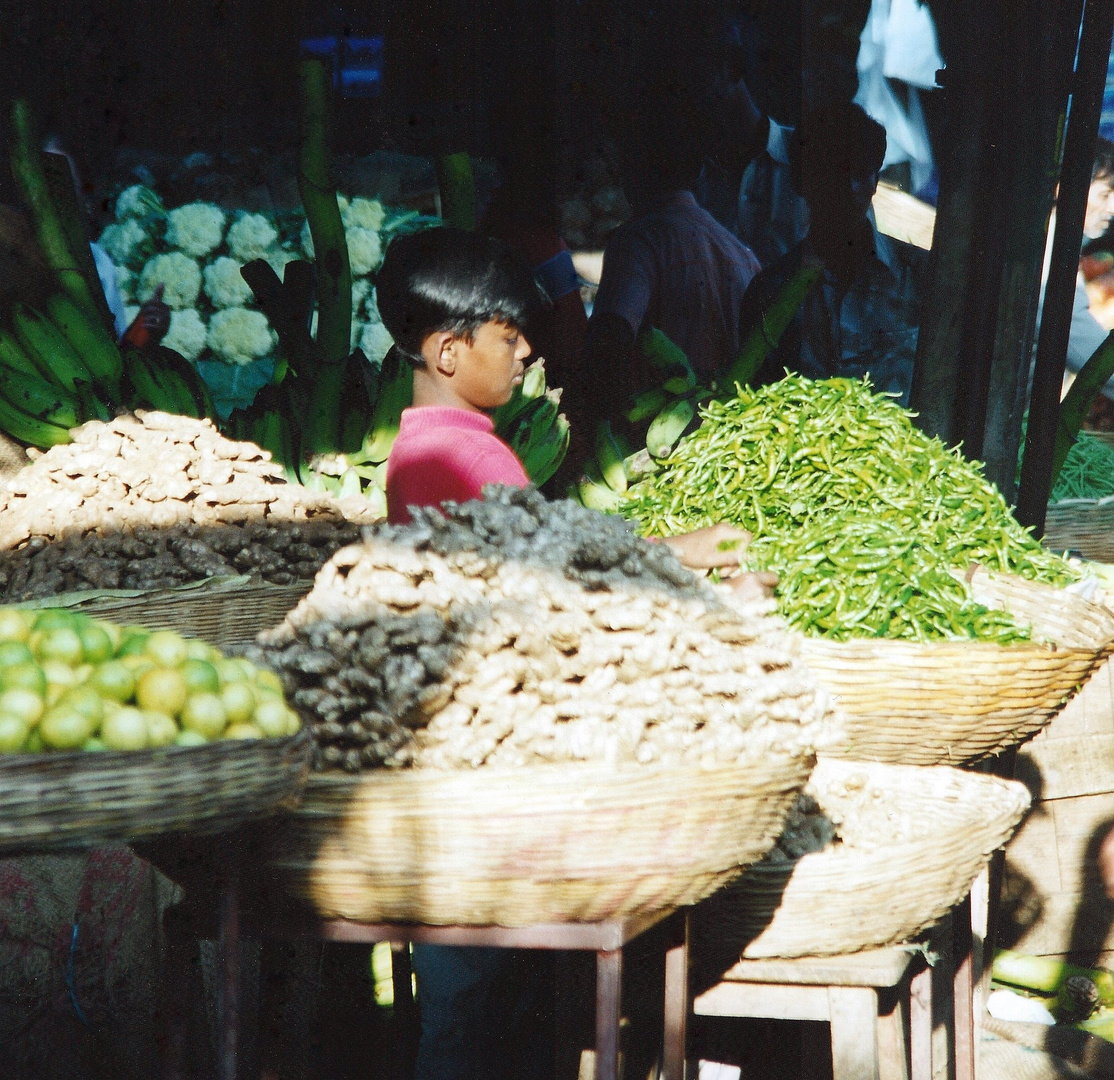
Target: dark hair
{"points": [[836, 141], [1104, 160], [446, 279]]}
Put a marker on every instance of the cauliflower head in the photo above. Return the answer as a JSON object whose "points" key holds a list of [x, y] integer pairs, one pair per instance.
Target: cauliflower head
{"points": [[375, 341], [137, 201], [180, 275], [250, 236], [225, 285], [239, 336], [127, 243], [360, 288], [196, 228], [364, 214], [364, 250], [278, 257], [187, 333], [307, 240]]}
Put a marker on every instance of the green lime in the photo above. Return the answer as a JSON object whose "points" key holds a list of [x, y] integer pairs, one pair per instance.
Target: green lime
{"points": [[200, 675], [26, 676], [13, 733], [230, 671], [93, 745], [113, 679], [64, 728], [243, 731], [166, 648], [14, 652], [268, 680], [15, 625], [34, 744], [204, 714], [96, 645], [133, 643], [161, 729], [238, 699], [270, 717], [200, 650], [57, 643], [190, 738], [85, 700], [161, 690], [125, 729], [53, 618], [22, 703]]}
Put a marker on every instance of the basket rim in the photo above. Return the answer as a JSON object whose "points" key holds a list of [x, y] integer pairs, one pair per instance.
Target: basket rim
{"points": [[106, 760]]}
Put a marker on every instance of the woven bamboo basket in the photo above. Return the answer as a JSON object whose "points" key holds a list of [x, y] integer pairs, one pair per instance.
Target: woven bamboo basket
{"points": [[958, 702], [874, 889], [224, 613], [53, 801], [517, 847], [1082, 525]]}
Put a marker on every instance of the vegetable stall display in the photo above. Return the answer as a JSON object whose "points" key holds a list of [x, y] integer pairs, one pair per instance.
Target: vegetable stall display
{"points": [[870, 524], [517, 631]]}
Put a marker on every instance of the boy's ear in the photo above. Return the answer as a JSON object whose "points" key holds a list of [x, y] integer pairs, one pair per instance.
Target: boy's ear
{"points": [[444, 352]]}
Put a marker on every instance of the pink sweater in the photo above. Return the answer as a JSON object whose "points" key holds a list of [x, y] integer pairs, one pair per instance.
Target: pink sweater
{"points": [[444, 453]]}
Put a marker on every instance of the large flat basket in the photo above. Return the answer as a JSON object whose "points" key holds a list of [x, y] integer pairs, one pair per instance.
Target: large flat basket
{"points": [[538, 844], [56, 801], [958, 702], [873, 891]]}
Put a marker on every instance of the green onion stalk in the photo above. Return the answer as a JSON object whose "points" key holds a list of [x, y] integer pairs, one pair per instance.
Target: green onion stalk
{"points": [[334, 273]]}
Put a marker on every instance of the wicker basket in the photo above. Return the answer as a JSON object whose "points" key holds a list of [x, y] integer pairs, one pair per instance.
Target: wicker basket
{"points": [[53, 801], [517, 847], [865, 893], [957, 702], [1083, 525], [225, 613]]}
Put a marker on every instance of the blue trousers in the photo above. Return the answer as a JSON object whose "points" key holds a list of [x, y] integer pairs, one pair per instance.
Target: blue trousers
{"points": [[485, 1013]]}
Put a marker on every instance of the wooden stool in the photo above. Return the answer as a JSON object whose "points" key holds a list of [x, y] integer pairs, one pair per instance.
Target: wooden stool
{"points": [[869, 1041]]}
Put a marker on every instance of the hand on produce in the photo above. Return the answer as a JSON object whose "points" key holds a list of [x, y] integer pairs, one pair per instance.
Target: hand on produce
{"points": [[716, 547], [759, 585]]}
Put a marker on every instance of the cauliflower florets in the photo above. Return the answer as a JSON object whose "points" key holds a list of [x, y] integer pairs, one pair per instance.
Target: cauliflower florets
{"points": [[239, 336], [131, 311], [371, 307], [197, 228], [250, 236], [127, 243], [364, 250], [364, 214], [187, 333], [375, 341], [137, 201], [225, 285], [180, 275]]}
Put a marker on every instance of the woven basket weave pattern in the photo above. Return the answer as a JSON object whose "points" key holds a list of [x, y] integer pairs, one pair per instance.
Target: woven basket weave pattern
{"points": [[846, 898], [541, 844], [225, 618], [958, 702], [50, 801]]}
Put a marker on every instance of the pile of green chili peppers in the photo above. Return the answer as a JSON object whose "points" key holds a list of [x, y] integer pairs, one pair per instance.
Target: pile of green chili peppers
{"points": [[1087, 472], [864, 518]]}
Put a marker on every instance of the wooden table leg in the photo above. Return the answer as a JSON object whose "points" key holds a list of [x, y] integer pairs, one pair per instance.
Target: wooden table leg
{"points": [[676, 1001], [963, 994], [920, 1025], [854, 1019], [229, 952], [893, 1042], [609, 982]]}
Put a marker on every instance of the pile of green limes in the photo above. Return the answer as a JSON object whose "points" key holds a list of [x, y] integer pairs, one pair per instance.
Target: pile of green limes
{"points": [[71, 682]]}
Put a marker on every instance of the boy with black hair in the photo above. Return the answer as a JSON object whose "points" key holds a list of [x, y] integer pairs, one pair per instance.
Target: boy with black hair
{"points": [[457, 305]]}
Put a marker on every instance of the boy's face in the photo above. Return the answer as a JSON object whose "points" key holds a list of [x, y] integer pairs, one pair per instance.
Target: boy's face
{"points": [[487, 369]]}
